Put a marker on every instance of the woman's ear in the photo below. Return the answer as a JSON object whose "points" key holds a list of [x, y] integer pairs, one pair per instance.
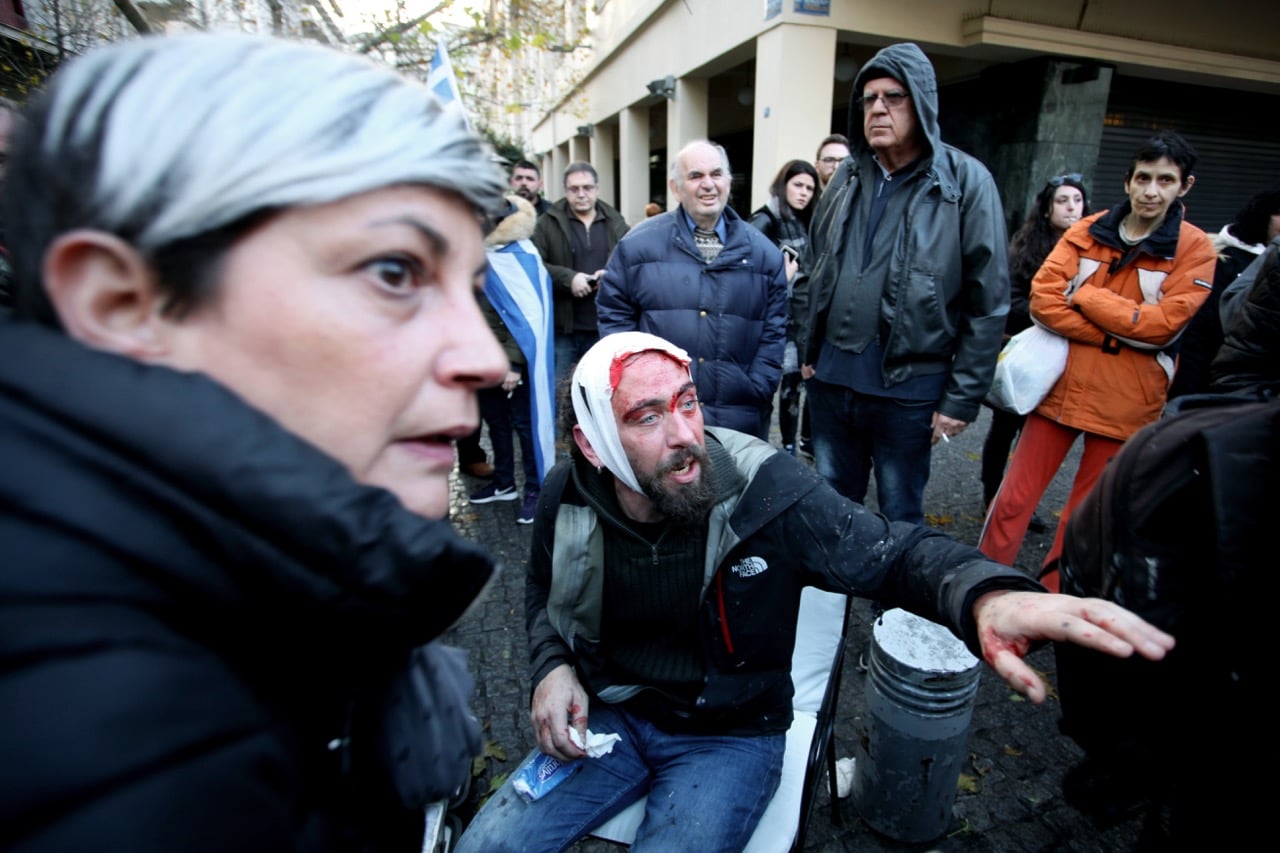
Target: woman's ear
{"points": [[105, 294]]}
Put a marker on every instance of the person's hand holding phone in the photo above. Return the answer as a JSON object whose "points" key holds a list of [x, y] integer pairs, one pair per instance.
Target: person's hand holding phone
{"points": [[791, 261], [583, 284]]}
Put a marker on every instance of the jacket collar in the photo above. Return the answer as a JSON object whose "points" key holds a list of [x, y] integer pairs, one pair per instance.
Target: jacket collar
{"points": [[598, 490], [215, 499], [1161, 243]]}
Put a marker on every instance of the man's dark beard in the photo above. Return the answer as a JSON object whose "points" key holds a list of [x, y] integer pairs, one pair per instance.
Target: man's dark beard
{"points": [[527, 194], [686, 505]]}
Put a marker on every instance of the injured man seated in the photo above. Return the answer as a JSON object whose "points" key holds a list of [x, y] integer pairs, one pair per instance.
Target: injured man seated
{"points": [[666, 571]]}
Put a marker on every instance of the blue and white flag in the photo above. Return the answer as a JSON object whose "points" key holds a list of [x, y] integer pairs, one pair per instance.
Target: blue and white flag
{"points": [[519, 289], [442, 82]]}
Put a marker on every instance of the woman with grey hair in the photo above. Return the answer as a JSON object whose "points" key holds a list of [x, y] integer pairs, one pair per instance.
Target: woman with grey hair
{"points": [[245, 340]]}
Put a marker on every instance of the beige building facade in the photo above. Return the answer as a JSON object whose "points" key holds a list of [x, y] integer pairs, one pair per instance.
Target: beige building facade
{"points": [[1032, 87]]}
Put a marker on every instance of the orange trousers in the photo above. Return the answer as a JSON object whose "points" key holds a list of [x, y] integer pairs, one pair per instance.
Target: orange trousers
{"points": [[1041, 449]]}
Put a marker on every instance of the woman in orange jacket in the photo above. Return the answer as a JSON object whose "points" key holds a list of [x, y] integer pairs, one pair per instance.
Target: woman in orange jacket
{"points": [[1120, 286]]}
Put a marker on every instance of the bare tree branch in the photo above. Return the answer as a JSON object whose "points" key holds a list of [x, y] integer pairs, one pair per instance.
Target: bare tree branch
{"points": [[133, 15], [383, 36]]}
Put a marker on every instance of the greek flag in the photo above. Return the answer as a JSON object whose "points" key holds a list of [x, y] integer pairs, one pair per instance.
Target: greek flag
{"points": [[441, 81], [519, 289]]}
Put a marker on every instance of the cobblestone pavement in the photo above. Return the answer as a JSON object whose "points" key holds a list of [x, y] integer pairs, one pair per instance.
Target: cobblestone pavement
{"points": [[1010, 796]]}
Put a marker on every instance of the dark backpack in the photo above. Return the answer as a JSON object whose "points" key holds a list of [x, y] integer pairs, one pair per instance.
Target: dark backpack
{"points": [[1176, 530]]}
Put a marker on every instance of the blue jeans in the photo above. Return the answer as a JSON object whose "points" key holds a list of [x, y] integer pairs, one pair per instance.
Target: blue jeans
{"points": [[853, 432], [705, 793], [570, 348], [506, 415]]}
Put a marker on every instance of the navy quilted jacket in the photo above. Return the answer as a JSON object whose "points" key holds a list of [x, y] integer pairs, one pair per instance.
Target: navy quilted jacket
{"points": [[730, 315]]}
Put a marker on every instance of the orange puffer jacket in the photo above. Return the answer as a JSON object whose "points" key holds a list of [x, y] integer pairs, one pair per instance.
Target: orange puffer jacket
{"points": [[1119, 306]]}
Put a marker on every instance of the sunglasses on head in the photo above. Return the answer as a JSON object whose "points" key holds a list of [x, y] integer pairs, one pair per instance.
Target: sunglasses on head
{"points": [[1073, 178]]}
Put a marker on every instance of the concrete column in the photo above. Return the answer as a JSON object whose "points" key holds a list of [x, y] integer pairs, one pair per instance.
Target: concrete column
{"points": [[545, 164], [553, 189], [1063, 135], [793, 99], [604, 150], [686, 120], [633, 159]]}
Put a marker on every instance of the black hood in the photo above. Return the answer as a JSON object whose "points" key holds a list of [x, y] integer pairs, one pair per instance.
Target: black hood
{"points": [[907, 64]]}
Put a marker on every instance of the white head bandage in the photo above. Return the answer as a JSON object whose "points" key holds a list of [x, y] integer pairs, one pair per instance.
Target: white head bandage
{"points": [[593, 384]]}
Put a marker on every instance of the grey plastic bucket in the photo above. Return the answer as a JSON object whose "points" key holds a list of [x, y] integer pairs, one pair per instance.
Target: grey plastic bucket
{"points": [[921, 684]]}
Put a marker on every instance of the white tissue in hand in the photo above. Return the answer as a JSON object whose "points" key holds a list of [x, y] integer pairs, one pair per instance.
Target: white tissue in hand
{"points": [[595, 745], [844, 777]]}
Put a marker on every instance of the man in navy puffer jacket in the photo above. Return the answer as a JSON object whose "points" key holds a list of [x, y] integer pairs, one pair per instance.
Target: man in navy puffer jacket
{"points": [[704, 279]]}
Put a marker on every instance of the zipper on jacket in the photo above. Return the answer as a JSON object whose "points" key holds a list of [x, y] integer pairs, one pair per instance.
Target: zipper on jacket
{"points": [[724, 620]]}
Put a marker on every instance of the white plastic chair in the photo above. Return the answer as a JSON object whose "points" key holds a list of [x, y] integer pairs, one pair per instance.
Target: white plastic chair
{"points": [[815, 671]]}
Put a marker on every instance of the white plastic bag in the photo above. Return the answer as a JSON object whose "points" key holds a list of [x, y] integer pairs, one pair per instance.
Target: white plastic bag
{"points": [[1027, 369], [790, 361]]}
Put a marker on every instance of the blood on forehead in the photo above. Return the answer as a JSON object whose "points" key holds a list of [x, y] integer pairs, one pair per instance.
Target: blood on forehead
{"points": [[623, 360]]}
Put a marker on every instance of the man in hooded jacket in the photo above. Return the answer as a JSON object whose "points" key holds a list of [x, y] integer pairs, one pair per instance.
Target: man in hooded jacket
{"points": [[901, 314]]}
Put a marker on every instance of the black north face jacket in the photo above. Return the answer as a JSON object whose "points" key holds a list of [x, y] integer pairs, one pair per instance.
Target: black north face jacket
{"points": [[782, 529]]}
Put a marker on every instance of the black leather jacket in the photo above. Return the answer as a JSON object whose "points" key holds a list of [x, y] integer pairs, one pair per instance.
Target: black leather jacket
{"points": [[946, 286]]}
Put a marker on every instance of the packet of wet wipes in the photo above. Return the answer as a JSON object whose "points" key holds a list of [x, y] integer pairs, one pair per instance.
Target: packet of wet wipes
{"points": [[540, 773]]}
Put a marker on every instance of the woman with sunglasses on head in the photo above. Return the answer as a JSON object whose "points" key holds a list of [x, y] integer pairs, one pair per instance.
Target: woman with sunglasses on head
{"points": [[1059, 204], [784, 219]]}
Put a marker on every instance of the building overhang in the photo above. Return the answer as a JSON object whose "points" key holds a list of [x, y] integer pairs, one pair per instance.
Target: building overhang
{"points": [[1165, 61]]}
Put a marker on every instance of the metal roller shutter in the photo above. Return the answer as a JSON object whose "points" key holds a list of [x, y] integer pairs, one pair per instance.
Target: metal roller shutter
{"points": [[1239, 154]]}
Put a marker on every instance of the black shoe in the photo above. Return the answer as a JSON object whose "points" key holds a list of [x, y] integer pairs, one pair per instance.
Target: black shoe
{"points": [[492, 492], [1037, 524]]}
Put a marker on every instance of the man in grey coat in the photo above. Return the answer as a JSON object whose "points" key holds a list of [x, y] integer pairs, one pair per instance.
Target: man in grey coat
{"points": [[901, 316]]}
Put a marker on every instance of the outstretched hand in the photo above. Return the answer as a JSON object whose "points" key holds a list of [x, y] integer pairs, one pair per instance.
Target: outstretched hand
{"points": [[1009, 622], [559, 701]]}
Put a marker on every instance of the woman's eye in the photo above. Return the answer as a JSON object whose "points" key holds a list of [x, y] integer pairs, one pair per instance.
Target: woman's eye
{"points": [[396, 274]]}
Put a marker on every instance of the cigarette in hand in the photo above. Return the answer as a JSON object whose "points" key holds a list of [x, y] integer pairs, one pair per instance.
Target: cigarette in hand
{"points": [[945, 437]]}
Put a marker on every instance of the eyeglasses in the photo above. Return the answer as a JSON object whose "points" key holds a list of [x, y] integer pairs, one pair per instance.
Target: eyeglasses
{"points": [[892, 100], [1073, 178], [830, 161], [584, 190]]}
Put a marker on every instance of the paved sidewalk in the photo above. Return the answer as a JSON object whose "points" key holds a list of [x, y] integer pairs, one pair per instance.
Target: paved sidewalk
{"points": [[1010, 796]]}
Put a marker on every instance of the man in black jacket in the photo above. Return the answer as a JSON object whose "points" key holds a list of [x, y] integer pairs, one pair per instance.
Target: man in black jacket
{"points": [[901, 316], [526, 182], [1249, 359], [664, 584], [575, 239]]}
